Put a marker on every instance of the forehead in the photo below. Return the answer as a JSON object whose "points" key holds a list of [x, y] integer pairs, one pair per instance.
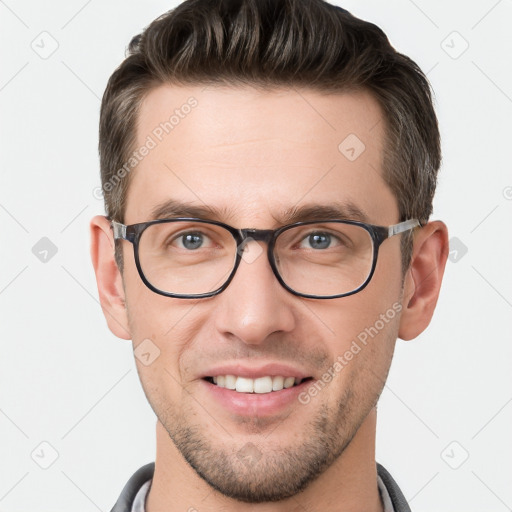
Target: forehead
{"points": [[254, 154]]}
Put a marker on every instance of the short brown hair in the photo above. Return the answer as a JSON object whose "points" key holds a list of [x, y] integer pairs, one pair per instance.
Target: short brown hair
{"points": [[276, 43]]}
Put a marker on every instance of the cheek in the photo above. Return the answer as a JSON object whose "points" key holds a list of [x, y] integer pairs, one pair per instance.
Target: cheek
{"points": [[157, 360], [365, 329], [377, 308], [162, 330], [362, 361], [150, 315]]}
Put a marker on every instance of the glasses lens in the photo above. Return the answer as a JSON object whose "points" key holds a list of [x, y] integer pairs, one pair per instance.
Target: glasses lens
{"points": [[324, 259], [186, 258]]}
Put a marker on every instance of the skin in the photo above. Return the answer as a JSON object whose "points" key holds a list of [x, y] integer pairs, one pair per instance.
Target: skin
{"points": [[259, 153]]}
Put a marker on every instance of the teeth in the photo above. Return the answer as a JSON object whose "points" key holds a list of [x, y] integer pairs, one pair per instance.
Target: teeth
{"points": [[277, 383], [230, 382], [244, 385], [289, 382], [263, 385], [260, 385]]}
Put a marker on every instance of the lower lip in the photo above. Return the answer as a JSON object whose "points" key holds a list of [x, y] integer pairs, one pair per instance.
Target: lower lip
{"points": [[255, 404]]}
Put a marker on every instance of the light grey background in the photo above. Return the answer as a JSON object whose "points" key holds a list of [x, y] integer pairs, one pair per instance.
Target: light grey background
{"points": [[66, 381]]}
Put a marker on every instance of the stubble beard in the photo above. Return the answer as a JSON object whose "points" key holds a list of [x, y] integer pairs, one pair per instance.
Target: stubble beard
{"points": [[270, 473]]}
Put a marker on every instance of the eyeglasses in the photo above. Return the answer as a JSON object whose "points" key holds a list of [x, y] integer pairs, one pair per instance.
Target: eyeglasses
{"points": [[191, 258]]}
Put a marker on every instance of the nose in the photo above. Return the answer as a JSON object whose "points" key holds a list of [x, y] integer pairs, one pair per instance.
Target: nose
{"points": [[254, 305]]}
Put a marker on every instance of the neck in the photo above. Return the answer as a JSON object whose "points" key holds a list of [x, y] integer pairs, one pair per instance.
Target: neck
{"points": [[348, 485]]}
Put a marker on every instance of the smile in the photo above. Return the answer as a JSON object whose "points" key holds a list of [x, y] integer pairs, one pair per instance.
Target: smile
{"points": [[266, 384]]}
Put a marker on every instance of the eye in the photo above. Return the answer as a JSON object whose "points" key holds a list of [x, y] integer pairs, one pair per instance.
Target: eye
{"points": [[191, 240], [319, 240]]}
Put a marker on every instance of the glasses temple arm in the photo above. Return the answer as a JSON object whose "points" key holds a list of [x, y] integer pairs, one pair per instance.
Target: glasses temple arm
{"points": [[395, 229], [119, 230]]}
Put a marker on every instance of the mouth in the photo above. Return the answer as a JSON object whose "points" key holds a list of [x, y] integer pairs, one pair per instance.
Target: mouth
{"points": [[260, 385], [269, 390]]}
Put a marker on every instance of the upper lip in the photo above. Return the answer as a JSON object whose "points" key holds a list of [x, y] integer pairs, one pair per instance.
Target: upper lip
{"points": [[269, 369]]}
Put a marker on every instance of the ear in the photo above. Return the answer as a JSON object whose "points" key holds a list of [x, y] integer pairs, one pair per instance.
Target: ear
{"points": [[423, 279], [108, 277]]}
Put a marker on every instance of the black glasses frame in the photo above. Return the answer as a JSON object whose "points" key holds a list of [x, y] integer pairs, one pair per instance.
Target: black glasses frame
{"points": [[378, 234]]}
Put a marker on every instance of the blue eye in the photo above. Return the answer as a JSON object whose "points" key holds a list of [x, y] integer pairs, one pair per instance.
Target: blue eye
{"points": [[319, 240], [191, 240]]}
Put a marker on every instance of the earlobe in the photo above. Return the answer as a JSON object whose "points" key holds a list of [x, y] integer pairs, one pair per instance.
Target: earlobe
{"points": [[423, 279], [108, 277]]}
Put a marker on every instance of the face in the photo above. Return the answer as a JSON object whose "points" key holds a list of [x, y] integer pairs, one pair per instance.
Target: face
{"points": [[252, 156]]}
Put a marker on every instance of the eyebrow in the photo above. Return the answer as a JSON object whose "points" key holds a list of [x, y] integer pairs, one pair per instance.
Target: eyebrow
{"points": [[346, 210]]}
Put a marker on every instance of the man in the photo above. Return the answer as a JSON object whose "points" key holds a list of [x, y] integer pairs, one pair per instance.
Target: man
{"points": [[268, 169]]}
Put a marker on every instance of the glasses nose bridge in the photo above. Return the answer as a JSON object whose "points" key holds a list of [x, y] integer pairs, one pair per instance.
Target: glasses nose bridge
{"points": [[256, 235], [260, 235]]}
